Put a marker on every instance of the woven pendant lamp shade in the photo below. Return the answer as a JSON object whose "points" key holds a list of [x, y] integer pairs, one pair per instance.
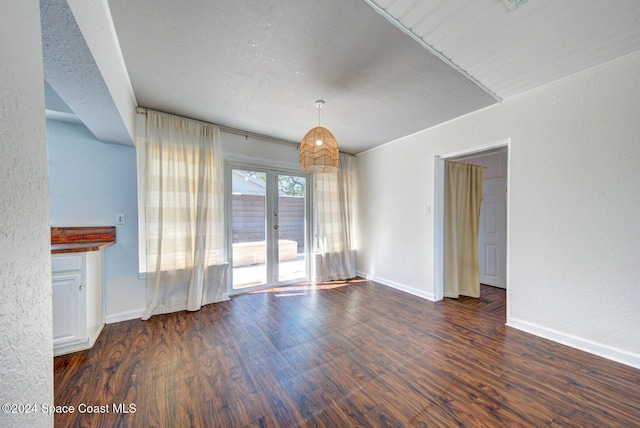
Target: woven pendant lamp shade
{"points": [[318, 158]]}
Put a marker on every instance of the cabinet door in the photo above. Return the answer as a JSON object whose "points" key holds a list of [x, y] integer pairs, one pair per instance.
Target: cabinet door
{"points": [[69, 309]]}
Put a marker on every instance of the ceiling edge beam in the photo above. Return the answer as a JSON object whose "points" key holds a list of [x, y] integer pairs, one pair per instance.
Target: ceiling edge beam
{"points": [[431, 49], [87, 73]]}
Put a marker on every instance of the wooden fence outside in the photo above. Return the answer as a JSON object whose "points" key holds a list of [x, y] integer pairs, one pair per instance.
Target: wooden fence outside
{"points": [[249, 218]]}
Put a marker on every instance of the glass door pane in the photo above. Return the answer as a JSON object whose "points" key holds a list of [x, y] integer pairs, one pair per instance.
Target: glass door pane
{"points": [[249, 208], [290, 226]]}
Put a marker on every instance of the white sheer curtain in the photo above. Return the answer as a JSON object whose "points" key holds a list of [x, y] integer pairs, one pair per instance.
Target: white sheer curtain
{"points": [[184, 214], [333, 195]]}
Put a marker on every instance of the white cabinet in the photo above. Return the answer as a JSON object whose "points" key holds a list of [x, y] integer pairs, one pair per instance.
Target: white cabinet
{"points": [[78, 305], [68, 315]]}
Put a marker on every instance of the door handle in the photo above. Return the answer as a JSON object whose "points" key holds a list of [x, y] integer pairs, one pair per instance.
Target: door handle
{"points": [[275, 226]]}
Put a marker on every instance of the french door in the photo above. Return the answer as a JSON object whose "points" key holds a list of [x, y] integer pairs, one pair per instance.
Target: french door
{"points": [[267, 227]]}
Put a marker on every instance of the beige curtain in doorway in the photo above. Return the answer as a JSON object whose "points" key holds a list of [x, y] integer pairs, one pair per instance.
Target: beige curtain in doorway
{"points": [[462, 202]]}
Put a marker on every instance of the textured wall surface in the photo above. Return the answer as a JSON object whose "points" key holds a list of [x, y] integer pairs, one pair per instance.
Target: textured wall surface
{"points": [[573, 210], [26, 346]]}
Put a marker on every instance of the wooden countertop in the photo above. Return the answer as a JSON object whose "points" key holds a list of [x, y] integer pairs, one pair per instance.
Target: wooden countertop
{"points": [[80, 239], [79, 247]]}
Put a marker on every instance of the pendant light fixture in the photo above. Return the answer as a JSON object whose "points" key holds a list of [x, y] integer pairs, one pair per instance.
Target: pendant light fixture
{"points": [[319, 149]]}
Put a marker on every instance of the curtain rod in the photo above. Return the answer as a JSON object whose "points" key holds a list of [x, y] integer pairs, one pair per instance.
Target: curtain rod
{"points": [[246, 134]]}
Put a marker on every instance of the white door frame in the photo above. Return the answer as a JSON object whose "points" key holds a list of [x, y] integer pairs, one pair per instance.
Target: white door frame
{"points": [[438, 241]]}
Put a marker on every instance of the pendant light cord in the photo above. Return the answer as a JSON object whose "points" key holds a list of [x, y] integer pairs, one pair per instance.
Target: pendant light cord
{"points": [[319, 104]]}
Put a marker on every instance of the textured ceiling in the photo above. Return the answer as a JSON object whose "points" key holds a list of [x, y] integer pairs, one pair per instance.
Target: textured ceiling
{"points": [[386, 68], [260, 65], [73, 77]]}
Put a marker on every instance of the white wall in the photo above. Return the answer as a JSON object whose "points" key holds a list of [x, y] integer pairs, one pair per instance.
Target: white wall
{"points": [[26, 344], [238, 148], [573, 210], [90, 182]]}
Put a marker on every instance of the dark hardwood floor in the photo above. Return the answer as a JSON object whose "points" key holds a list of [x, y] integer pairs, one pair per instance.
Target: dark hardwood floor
{"points": [[358, 354]]}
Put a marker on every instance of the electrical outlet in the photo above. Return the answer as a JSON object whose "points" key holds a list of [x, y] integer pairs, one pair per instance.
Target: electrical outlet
{"points": [[120, 218]]}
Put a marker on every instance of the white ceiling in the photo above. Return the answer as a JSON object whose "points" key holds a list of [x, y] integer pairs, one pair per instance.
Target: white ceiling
{"points": [[260, 66], [511, 52], [386, 68]]}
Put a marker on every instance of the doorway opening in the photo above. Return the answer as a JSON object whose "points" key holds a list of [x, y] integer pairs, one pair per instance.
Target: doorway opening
{"points": [[493, 245], [267, 227]]}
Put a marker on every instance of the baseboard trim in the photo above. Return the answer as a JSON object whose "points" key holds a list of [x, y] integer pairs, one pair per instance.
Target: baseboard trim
{"points": [[598, 349], [138, 313], [614, 354], [125, 316], [76, 347], [397, 286]]}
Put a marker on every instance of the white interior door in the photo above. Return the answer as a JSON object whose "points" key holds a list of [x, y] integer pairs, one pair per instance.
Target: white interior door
{"points": [[492, 234]]}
